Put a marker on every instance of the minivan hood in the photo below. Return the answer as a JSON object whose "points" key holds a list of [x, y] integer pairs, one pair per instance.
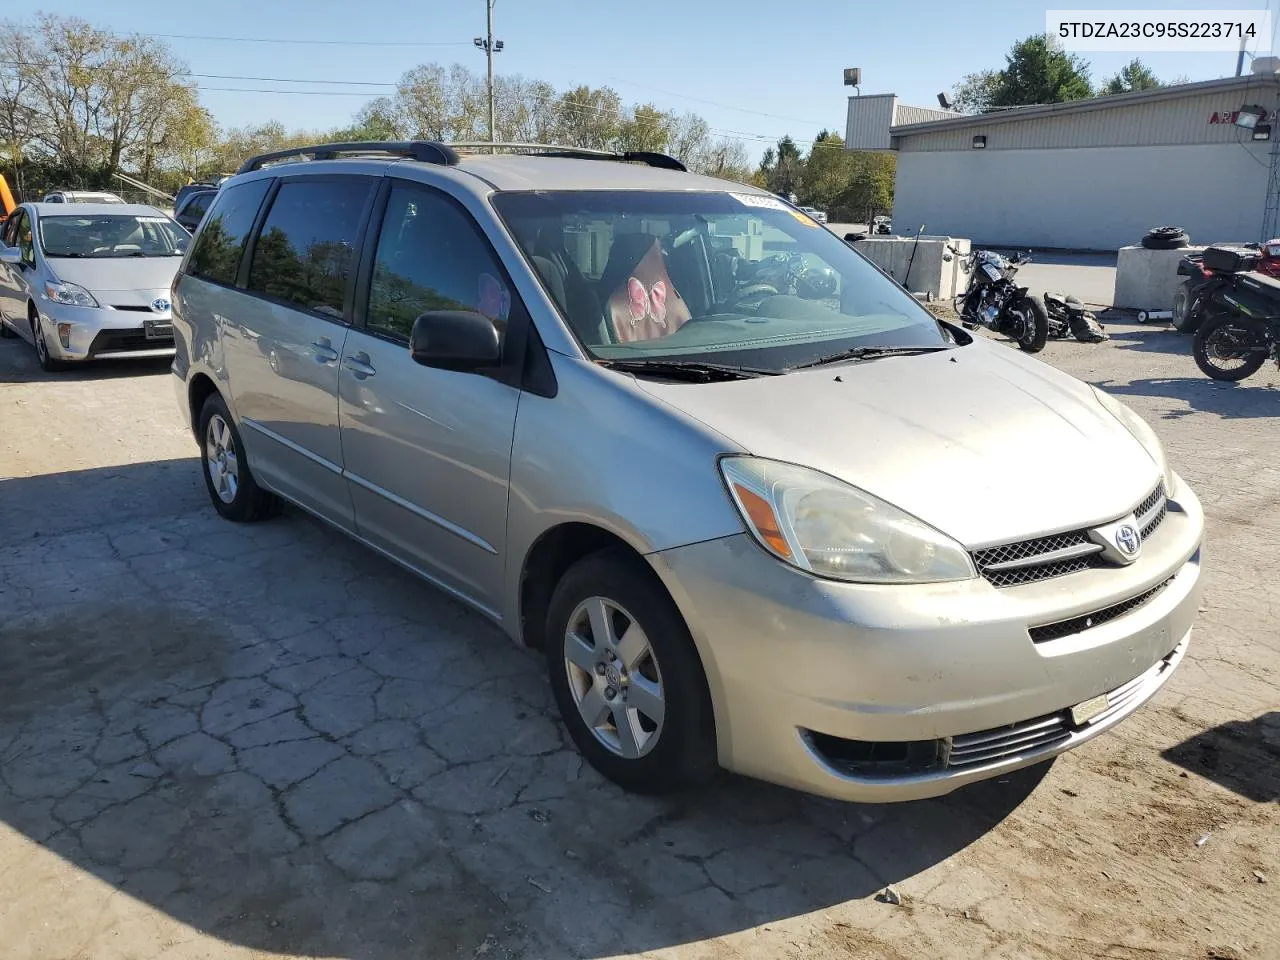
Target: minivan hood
{"points": [[109, 274], [986, 445]]}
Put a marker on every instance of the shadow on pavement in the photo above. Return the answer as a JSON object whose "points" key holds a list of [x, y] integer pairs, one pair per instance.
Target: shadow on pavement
{"points": [[18, 364], [1243, 756], [1151, 338], [278, 738], [1231, 400]]}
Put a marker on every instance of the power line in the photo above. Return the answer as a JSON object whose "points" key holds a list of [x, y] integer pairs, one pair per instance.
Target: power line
{"points": [[711, 103], [339, 43]]}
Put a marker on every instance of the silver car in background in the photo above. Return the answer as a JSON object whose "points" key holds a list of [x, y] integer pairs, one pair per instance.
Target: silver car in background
{"points": [[89, 281], [758, 507]]}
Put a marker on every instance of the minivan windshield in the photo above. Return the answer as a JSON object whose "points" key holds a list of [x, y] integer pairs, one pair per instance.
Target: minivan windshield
{"points": [[722, 277], [111, 235]]}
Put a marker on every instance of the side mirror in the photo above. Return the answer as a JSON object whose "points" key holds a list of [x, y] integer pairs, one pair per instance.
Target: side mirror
{"points": [[10, 255], [455, 340]]}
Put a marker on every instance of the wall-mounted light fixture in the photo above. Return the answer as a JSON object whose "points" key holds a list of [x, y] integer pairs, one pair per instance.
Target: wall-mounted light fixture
{"points": [[980, 142], [1249, 116]]}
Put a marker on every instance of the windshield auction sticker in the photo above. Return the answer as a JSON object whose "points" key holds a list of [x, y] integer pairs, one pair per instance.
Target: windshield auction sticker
{"points": [[1159, 31], [755, 200]]}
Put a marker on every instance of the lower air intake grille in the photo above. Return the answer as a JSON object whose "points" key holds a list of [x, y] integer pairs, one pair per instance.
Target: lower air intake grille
{"points": [[1065, 628]]}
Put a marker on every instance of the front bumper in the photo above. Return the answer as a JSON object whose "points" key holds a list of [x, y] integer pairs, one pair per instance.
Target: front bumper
{"points": [[102, 332], [795, 663]]}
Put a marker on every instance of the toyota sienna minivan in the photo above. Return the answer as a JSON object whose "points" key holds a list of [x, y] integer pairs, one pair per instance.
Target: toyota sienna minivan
{"points": [[760, 509]]}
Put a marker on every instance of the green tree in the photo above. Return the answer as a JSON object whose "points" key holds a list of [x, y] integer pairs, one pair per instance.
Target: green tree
{"points": [[828, 171], [1035, 72], [975, 92], [648, 129], [782, 169], [1134, 75]]}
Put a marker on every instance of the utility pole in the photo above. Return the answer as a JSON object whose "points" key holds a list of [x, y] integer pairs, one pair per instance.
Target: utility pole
{"points": [[490, 47]]}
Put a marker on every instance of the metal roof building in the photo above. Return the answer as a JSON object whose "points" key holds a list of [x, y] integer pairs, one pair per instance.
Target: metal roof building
{"points": [[1089, 174]]}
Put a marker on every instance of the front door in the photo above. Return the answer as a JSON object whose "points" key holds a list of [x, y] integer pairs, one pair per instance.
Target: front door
{"points": [[287, 336], [428, 451], [13, 287]]}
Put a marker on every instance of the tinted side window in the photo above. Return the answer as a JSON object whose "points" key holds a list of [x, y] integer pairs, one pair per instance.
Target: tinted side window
{"points": [[217, 252], [431, 256], [198, 204], [306, 250], [22, 237]]}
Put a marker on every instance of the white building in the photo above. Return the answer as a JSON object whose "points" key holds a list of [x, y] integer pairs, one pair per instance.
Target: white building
{"points": [[1090, 174]]}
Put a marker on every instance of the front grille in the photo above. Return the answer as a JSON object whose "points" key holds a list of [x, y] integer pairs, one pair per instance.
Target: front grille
{"points": [[130, 306], [1043, 558], [1065, 628]]}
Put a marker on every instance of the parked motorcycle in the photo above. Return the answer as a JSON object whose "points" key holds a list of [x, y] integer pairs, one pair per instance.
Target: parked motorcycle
{"points": [[1244, 331], [993, 300], [1068, 318], [1207, 272]]}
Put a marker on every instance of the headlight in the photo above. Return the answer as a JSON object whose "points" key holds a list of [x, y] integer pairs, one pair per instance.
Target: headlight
{"points": [[71, 293], [820, 524], [1141, 432]]}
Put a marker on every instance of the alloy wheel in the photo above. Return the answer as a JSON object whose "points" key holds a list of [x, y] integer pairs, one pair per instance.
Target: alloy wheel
{"points": [[614, 677], [221, 459]]}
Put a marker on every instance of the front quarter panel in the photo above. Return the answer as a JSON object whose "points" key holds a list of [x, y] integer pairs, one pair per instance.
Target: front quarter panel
{"points": [[604, 453]]}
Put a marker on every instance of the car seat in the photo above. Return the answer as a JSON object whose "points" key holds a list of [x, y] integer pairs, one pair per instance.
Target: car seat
{"points": [[643, 303], [569, 287]]}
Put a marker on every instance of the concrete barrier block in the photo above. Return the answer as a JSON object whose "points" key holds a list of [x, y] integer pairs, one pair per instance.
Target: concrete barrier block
{"points": [[934, 270], [1147, 279]]}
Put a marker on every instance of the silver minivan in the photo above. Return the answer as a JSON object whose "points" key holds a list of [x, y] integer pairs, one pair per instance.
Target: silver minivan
{"points": [[759, 508]]}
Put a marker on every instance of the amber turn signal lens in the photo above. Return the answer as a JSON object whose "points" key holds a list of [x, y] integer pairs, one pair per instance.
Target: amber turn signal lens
{"points": [[762, 518]]}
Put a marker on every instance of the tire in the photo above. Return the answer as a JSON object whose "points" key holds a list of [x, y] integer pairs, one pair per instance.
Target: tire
{"points": [[235, 494], [1187, 315], [47, 363], [1210, 349], [1165, 238], [647, 754], [1033, 340]]}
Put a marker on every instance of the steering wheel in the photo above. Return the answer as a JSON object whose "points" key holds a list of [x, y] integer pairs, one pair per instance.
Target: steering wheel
{"points": [[755, 291]]}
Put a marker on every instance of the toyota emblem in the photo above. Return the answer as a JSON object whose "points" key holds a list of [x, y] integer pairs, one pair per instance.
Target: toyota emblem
{"points": [[1127, 539], [160, 305]]}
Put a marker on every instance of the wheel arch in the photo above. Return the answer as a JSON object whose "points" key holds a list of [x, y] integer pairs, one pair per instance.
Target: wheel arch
{"points": [[553, 552], [199, 389]]}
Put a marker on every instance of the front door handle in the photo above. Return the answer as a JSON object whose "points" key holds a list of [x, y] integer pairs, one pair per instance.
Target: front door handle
{"points": [[324, 351], [359, 365]]}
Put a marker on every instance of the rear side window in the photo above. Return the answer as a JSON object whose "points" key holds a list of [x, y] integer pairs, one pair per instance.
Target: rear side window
{"points": [[305, 254], [197, 205], [217, 251]]}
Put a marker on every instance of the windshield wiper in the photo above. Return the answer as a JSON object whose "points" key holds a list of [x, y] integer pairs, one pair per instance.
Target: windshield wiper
{"points": [[694, 370], [864, 353]]}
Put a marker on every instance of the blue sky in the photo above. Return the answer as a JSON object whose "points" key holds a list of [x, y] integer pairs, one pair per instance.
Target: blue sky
{"points": [[754, 69]]}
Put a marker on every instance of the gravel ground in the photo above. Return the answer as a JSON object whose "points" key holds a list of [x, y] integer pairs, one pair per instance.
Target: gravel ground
{"points": [[220, 741]]}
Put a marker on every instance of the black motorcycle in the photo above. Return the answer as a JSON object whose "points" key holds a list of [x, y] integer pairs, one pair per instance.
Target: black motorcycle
{"points": [[1236, 342], [993, 300]]}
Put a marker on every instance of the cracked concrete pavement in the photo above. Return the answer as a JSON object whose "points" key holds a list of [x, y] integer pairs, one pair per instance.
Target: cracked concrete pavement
{"points": [[225, 741]]}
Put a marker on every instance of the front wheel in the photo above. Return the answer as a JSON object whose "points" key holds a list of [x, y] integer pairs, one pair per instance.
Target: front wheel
{"points": [[627, 678], [1231, 348], [48, 363], [1028, 323]]}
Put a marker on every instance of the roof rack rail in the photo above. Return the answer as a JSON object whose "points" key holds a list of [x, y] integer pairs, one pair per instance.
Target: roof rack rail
{"points": [[425, 151], [646, 157]]}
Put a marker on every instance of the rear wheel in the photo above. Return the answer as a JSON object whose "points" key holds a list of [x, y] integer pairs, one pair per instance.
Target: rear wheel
{"points": [[627, 678], [1231, 348], [234, 492], [1028, 323]]}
